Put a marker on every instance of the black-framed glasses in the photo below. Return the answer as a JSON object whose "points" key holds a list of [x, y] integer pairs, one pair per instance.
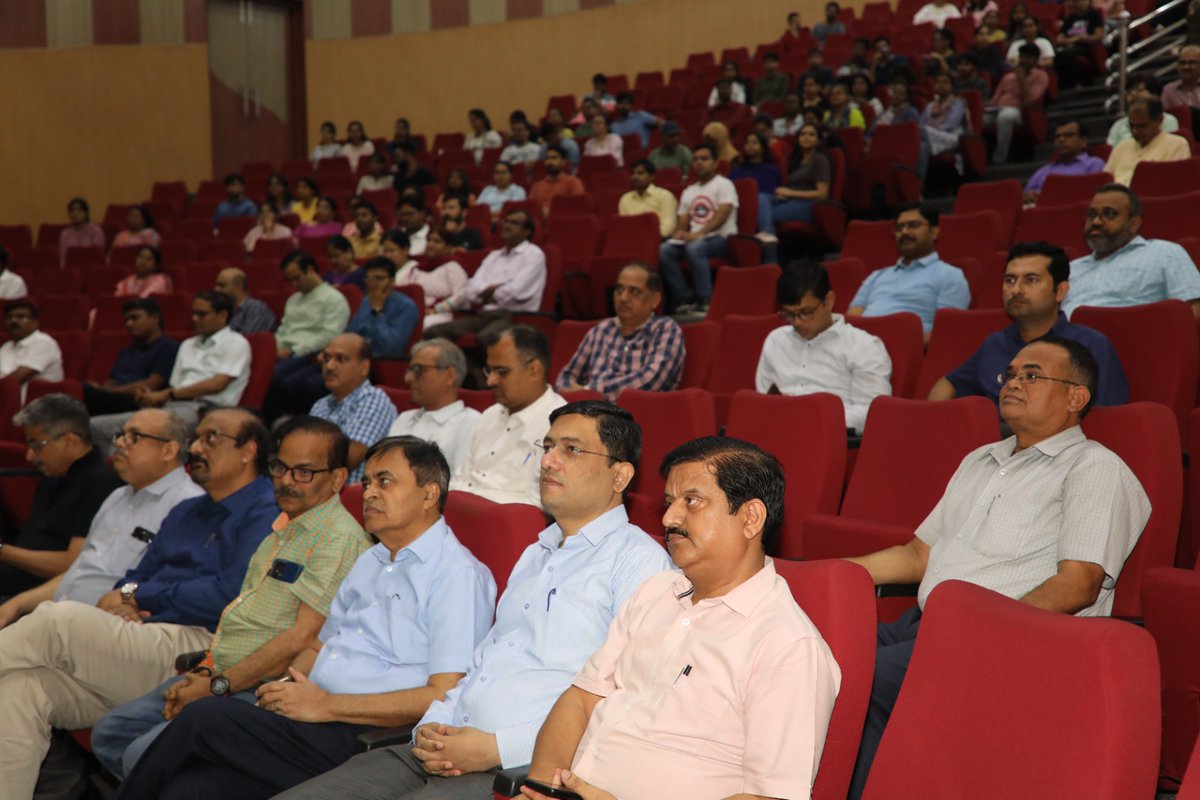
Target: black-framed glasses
{"points": [[417, 370], [569, 451], [210, 438], [1026, 377], [132, 436], [1107, 214], [910, 225], [38, 444], [802, 314], [503, 372], [299, 474]]}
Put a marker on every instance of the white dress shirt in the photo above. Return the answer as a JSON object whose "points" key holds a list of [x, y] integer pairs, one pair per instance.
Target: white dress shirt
{"points": [[38, 351], [520, 274], [503, 465], [449, 427], [226, 352], [841, 359], [439, 283], [12, 285]]}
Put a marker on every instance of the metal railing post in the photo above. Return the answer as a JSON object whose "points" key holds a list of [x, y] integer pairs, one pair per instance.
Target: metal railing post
{"points": [[1123, 62]]}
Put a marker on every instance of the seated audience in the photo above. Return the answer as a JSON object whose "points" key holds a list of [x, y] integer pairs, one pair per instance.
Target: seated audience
{"points": [[757, 163], [706, 217], [279, 194], [858, 63], [1125, 269], [235, 204], [439, 282], [139, 229], [1140, 84], [328, 146], [147, 278], [739, 91], [454, 226], [862, 94], [378, 178], [937, 12], [582, 121], [600, 96], [276, 616], [268, 228], [557, 134], [147, 458], [629, 120], [324, 222], [594, 559], [830, 26], [979, 10], [942, 55], [145, 364], [920, 282], [402, 134], [985, 58], [636, 349], [1082, 27], [1023, 85], [481, 135], [1036, 280], [1054, 535], [81, 231], [818, 351], [12, 285], [886, 65], [66, 664], [841, 112], [900, 108], [1186, 90], [1031, 34], [28, 353], [211, 370], [365, 232], [808, 180], [967, 76], [250, 315], [385, 318], [616, 730], [342, 267], [772, 86], [502, 190], [672, 152], [457, 187], [646, 198], [434, 375], [357, 145], [521, 148], [412, 219], [76, 482], [1070, 158], [1149, 143], [603, 143], [816, 68], [726, 110], [501, 464], [945, 117], [304, 203], [369, 668], [408, 172], [812, 97]]}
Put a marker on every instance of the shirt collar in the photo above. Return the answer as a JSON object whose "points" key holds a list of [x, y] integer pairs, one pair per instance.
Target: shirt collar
{"points": [[215, 338], [444, 414], [424, 547], [165, 482], [743, 598], [253, 493], [593, 533], [1136, 241], [1050, 446], [310, 521], [832, 332], [530, 412], [916, 263], [361, 389], [1013, 331]]}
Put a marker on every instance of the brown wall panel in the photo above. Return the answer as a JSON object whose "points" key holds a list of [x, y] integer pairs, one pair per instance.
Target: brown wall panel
{"points": [[370, 17], [23, 23], [116, 22]]}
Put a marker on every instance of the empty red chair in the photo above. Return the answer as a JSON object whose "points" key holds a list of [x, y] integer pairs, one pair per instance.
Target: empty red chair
{"points": [[48, 233], [1071, 190], [20, 481], [846, 275], [700, 343], [1070, 712], [84, 257], [1171, 610], [748, 291], [667, 419], [76, 351], [813, 455], [1060, 225], [1172, 217], [891, 163], [1163, 178], [14, 236], [957, 334], [1004, 197], [872, 243], [262, 365], [273, 249], [904, 337], [232, 252], [567, 338], [189, 230], [105, 347], [496, 533], [571, 205], [736, 359], [577, 237], [976, 235], [35, 258], [565, 103], [63, 312]]}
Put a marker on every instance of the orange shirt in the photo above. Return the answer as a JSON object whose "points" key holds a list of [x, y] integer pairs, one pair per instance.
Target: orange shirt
{"points": [[547, 189]]}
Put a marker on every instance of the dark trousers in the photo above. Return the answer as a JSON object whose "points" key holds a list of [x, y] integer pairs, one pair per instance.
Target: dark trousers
{"points": [[221, 748], [894, 643], [295, 385], [481, 324], [102, 401]]}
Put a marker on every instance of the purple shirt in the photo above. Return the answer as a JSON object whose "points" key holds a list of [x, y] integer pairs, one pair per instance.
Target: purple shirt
{"points": [[1082, 164]]}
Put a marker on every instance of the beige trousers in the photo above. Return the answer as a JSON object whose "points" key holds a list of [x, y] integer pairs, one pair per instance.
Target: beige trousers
{"points": [[64, 666]]}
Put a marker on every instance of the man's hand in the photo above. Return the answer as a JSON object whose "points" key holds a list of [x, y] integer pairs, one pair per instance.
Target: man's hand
{"points": [[130, 613], [569, 780], [1029, 198], [299, 699], [283, 352], [109, 601], [448, 751], [193, 687], [149, 399], [486, 295], [687, 236]]}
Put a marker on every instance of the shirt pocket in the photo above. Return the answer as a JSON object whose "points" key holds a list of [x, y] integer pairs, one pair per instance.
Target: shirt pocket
{"points": [[1007, 530]]}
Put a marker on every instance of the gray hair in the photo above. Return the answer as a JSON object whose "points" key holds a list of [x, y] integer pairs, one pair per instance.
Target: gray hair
{"points": [[449, 356], [176, 430], [57, 414]]}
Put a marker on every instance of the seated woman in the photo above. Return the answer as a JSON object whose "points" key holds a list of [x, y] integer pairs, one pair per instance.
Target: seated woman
{"points": [[811, 98], [304, 205], [481, 137], [324, 221], [862, 95], [357, 145], [345, 269], [385, 318], [756, 163], [604, 143], [842, 113], [502, 190], [269, 227], [1031, 34], [457, 185], [378, 176], [442, 278], [808, 179], [740, 91], [279, 194], [81, 232], [401, 135], [147, 278], [139, 229], [328, 147]]}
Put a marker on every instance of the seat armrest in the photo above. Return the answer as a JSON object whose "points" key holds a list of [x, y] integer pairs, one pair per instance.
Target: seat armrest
{"points": [[383, 737], [187, 662], [897, 590], [508, 781]]}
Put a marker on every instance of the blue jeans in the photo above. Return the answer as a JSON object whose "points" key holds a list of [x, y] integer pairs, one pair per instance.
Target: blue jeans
{"points": [[772, 209], [121, 736], [697, 252]]}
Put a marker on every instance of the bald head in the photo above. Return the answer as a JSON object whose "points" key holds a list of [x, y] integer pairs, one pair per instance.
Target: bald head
{"points": [[1189, 65], [232, 282]]}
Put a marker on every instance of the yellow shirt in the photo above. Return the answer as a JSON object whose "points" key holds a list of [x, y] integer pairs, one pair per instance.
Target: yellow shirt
{"points": [[306, 213], [1128, 154], [656, 200]]}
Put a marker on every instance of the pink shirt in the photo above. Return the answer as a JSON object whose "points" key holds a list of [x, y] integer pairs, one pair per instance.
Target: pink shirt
{"points": [[158, 283], [1008, 93], [611, 145], [732, 694], [128, 238], [90, 235]]}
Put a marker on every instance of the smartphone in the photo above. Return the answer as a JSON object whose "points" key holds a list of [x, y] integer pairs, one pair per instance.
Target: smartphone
{"points": [[143, 535], [551, 791], [286, 571]]}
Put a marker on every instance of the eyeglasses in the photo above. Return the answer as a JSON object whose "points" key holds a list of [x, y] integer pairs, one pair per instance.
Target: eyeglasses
{"points": [[569, 451], [1107, 214], [37, 445], [299, 474], [417, 370], [210, 438], [910, 225], [338, 358], [503, 372], [1026, 377], [792, 316], [131, 437]]}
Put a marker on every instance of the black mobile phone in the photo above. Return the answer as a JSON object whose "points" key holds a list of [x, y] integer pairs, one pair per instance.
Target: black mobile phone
{"points": [[551, 791], [143, 535], [286, 571]]}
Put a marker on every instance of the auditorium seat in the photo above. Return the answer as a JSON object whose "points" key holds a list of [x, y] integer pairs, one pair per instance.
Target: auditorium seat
{"points": [[67, 280], [957, 334], [105, 347], [700, 341], [263, 353], [1171, 610], [63, 312], [76, 346], [736, 359], [872, 243], [1171, 217], [748, 291], [352, 500], [1164, 178], [845, 277], [1190, 790], [1070, 190], [1004, 197], [1060, 225], [904, 338], [568, 336], [14, 236], [496, 533], [975, 235], [18, 479]]}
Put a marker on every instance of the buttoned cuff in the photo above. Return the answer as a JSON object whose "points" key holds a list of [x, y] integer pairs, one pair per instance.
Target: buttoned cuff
{"points": [[515, 743]]}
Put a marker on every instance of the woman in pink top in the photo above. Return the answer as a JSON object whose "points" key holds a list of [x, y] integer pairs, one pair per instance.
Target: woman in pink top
{"points": [[324, 221], [147, 278], [268, 227], [139, 229], [604, 143], [82, 232]]}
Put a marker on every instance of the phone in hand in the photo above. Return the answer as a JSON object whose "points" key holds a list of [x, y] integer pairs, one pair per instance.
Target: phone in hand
{"points": [[551, 791]]}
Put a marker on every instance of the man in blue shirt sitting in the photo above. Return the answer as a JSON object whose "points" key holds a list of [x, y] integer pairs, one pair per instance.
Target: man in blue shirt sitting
{"points": [[629, 121], [67, 663], [147, 361], [920, 282], [1036, 280], [235, 204], [562, 595]]}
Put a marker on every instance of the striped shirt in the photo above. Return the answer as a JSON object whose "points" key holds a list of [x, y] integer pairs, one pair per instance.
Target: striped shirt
{"points": [[364, 416], [1143, 271], [252, 316], [1008, 518], [651, 358], [325, 541]]}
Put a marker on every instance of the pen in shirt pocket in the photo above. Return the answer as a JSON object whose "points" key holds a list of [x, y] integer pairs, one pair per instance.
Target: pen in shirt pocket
{"points": [[549, 595], [683, 673]]}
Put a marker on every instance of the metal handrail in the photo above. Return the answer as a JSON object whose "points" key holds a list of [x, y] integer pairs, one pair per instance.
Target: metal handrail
{"points": [[1143, 53]]}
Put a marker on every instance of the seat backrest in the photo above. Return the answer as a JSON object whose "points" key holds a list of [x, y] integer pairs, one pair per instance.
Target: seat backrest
{"points": [[554, 277], [352, 500], [76, 349], [839, 599], [700, 343], [567, 339], [1069, 190], [956, 335], [813, 455], [1190, 789], [105, 347], [1158, 349], [872, 243], [16, 492], [1170, 217], [904, 337], [63, 312], [577, 236], [736, 360], [1146, 438], [667, 419], [262, 365], [897, 144], [884, 486], [975, 235], [845, 277], [747, 210], [1072, 711], [496, 533], [1159, 178], [1004, 197], [744, 290], [636, 236], [1060, 225]]}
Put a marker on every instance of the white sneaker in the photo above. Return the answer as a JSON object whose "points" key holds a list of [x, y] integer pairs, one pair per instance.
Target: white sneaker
{"points": [[766, 238]]}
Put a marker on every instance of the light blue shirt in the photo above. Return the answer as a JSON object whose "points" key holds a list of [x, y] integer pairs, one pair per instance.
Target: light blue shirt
{"points": [[922, 286], [554, 614], [1143, 271], [570, 145], [495, 198], [364, 416], [395, 623], [639, 122]]}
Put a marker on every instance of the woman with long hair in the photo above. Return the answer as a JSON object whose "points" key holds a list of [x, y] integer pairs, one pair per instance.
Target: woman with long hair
{"points": [[808, 179]]}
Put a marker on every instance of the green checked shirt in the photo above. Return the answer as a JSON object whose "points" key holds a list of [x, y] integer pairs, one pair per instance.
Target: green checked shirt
{"points": [[326, 541]]}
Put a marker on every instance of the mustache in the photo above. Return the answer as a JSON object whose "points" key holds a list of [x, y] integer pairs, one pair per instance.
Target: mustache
{"points": [[194, 460], [677, 531], [288, 491]]}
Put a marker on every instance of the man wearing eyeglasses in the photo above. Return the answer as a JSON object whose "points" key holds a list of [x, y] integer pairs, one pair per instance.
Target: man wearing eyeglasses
{"points": [[434, 376], [1046, 517], [284, 599], [67, 663], [147, 457], [818, 351], [28, 353], [361, 410]]}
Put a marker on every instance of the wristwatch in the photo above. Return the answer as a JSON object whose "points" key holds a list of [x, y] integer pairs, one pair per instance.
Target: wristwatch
{"points": [[127, 591], [219, 685]]}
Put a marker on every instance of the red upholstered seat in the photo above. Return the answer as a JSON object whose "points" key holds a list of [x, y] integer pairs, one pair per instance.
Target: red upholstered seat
{"points": [[496, 533], [904, 338], [957, 334]]}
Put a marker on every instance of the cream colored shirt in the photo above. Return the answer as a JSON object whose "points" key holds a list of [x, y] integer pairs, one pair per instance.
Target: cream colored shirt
{"points": [[656, 200], [1128, 154]]}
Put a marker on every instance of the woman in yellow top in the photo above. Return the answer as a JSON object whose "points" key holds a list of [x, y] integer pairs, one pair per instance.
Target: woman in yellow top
{"points": [[842, 113], [306, 194]]}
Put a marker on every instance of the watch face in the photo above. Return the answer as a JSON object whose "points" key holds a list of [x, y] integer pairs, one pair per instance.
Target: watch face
{"points": [[220, 686]]}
